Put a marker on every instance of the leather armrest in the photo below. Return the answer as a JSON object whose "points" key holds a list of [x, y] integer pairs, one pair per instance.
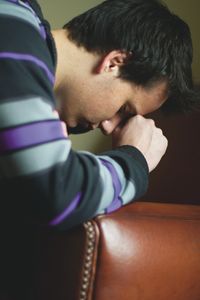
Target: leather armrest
{"points": [[145, 251]]}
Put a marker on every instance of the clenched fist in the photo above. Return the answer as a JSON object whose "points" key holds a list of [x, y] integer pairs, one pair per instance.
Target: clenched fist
{"points": [[145, 136]]}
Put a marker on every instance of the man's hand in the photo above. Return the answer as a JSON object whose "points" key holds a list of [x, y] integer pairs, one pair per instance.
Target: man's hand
{"points": [[64, 127], [145, 136]]}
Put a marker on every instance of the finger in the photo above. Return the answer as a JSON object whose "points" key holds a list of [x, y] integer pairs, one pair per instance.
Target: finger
{"points": [[56, 113], [64, 127]]}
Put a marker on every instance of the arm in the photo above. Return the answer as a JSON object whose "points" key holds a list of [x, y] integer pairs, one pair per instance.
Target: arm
{"points": [[53, 184]]}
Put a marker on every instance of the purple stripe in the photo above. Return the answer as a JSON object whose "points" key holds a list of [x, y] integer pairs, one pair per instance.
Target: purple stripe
{"points": [[29, 135], [43, 32], [73, 205], [116, 203], [30, 58]]}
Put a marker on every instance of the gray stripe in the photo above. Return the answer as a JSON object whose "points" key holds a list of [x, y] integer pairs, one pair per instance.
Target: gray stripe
{"points": [[107, 184], [35, 159], [128, 187], [25, 111], [11, 9]]}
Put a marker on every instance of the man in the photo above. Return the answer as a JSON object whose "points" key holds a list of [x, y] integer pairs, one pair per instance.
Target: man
{"points": [[113, 65]]}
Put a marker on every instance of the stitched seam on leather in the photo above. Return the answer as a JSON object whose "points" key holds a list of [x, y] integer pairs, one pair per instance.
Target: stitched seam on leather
{"points": [[89, 264]]}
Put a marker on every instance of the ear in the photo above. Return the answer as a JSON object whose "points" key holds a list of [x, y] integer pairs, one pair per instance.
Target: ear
{"points": [[112, 62]]}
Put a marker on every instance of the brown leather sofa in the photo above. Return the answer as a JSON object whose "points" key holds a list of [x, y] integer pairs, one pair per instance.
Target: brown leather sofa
{"points": [[145, 251], [149, 250]]}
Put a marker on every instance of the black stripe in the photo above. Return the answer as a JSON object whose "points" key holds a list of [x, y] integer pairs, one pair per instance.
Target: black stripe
{"points": [[18, 36], [46, 194], [20, 78]]}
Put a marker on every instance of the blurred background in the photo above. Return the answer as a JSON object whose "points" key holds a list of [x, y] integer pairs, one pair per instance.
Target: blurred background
{"points": [[60, 11]]}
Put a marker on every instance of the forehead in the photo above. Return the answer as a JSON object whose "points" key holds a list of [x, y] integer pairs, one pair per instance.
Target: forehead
{"points": [[147, 100]]}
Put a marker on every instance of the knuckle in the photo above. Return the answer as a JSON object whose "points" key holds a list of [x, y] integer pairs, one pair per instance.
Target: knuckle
{"points": [[165, 142], [159, 130], [151, 122], [139, 117]]}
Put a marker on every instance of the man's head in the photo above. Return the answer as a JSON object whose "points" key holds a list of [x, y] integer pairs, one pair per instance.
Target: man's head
{"points": [[142, 55]]}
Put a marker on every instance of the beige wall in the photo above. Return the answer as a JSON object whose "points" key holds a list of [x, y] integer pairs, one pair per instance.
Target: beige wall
{"points": [[188, 10], [60, 11]]}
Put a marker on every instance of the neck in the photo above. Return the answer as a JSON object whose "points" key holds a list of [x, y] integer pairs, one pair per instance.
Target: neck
{"points": [[63, 59], [70, 58], [72, 61]]}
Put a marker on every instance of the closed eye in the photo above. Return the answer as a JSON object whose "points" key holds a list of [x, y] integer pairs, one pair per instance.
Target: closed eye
{"points": [[125, 112]]}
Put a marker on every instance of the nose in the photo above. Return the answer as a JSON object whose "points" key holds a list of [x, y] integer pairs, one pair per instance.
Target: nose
{"points": [[108, 126], [94, 126]]}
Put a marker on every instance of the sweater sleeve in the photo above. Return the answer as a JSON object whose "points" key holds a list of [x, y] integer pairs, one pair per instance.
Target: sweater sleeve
{"points": [[44, 181]]}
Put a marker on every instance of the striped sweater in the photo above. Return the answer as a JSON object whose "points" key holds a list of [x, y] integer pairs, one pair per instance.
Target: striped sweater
{"points": [[42, 180]]}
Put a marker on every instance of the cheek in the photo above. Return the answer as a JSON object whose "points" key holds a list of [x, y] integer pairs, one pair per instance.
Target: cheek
{"points": [[109, 110], [101, 107]]}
